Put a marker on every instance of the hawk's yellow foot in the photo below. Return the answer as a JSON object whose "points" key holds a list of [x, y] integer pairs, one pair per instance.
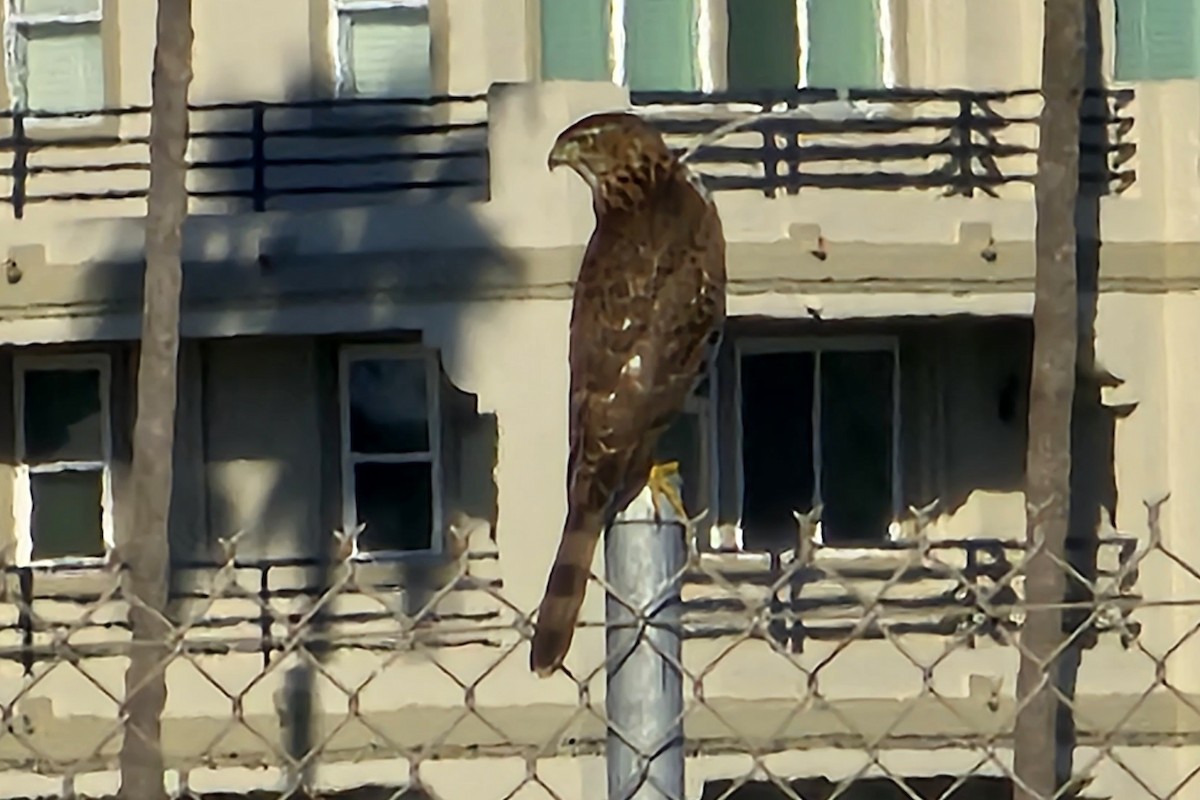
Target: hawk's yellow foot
{"points": [[661, 483]]}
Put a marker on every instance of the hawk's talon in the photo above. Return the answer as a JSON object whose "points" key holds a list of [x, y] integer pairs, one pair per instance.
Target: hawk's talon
{"points": [[661, 484]]}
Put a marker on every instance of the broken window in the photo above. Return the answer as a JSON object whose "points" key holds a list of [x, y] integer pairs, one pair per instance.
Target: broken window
{"points": [[818, 424], [390, 461], [64, 444]]}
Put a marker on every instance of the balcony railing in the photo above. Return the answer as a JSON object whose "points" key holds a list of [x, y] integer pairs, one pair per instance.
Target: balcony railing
{"points": [[960, 588], [967, 588], [257, 156], [56, 612], [958, 141], [264, 156]]}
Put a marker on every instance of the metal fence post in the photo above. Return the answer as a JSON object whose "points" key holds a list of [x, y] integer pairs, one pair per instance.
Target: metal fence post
{"points": [[644, 561]]}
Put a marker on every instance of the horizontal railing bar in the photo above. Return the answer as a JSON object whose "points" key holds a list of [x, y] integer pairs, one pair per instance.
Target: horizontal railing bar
{"points": [[8, 143], [246, 163], [133, 194], [707, 155], [808, 95], [432, 101]]}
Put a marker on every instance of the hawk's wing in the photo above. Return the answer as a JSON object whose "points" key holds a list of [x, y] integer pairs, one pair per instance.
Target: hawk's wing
{"points": [[650, 297], [644, 311]]}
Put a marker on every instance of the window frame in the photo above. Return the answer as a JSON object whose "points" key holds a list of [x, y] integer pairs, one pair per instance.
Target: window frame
{"points": [[338, 55], [14, 21], [23, 492], [763, 345], [347, 355]]}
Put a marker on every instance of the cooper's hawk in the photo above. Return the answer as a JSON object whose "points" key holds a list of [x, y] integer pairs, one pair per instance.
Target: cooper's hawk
{"points": [[649, 305]]}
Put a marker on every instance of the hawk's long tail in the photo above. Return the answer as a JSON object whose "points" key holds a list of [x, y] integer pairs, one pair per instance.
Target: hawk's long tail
{"points": [[565, 589]]}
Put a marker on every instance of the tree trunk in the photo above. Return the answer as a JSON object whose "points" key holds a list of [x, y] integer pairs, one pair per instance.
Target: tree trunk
{"points": [[1048, 461], [144, 547]]}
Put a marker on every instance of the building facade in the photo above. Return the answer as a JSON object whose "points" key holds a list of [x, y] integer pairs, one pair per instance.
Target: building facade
{"points": [[378, 271]]}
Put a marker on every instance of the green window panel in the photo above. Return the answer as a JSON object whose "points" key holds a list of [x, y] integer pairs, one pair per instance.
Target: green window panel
{"points": [[575, 40], [660, 45], [1157, 39], [844, 46]]}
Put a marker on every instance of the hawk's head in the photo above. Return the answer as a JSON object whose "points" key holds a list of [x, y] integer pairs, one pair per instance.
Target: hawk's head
{"points": [[618, 154]]}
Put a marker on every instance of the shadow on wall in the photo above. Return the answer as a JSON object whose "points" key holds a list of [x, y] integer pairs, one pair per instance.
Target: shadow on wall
{"points": [[375, 193], [1093, 423], [344, 214]]}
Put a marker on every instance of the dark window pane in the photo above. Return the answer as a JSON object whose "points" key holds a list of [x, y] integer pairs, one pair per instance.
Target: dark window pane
{"points": [[777, 446], [66, 514], [764, 49], [856, 444], [388, 411], [395, 501], [62, 416]]}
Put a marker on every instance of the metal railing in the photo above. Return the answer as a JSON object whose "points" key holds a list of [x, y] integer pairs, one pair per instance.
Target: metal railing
{"points": [[956, 587], [958, 141], [259, 155], [262, 156], [959, 588]]}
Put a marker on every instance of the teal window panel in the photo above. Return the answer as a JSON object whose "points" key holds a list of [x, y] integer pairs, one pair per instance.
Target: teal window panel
{"points": [[1157, 39], [660, 45], [575, 39], [844, 46]]}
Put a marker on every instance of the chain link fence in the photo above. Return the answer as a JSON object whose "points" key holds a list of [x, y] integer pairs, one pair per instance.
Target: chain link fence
{"points": [[699, 671]]}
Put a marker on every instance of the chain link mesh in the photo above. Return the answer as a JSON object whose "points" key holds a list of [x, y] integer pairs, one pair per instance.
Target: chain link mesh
{"points": [[821, 672]]}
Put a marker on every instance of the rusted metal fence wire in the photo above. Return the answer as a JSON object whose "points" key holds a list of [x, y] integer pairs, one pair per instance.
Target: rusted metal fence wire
{"points": [[877, 671]]}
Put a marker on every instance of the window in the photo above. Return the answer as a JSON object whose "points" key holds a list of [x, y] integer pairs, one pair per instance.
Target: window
{"points": [[648, 46], [818, 423], [828, 44], [390, 446], [668, 45], [1157, 39], [382, 48], [63, 497], [55, 55]]}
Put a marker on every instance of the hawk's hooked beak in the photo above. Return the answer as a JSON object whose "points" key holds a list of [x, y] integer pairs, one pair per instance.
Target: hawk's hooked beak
{"points": [[563, 152]]}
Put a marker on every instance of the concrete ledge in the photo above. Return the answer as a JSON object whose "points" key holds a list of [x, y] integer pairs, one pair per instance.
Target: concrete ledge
{"points": [[720, 726]]}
